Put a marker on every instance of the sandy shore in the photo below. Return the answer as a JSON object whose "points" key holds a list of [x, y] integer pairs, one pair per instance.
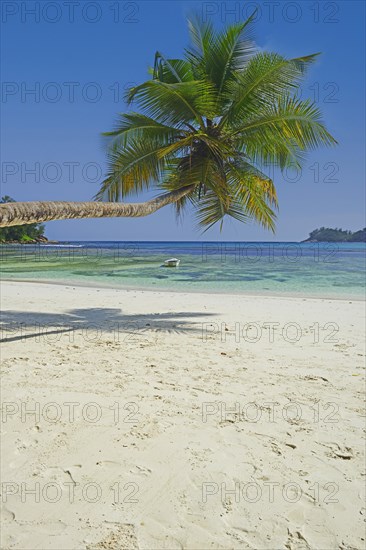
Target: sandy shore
{"points": [[137, 419]]}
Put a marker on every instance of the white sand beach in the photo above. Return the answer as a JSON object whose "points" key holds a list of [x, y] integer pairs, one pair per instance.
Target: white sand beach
{"points": [[161, 420]]}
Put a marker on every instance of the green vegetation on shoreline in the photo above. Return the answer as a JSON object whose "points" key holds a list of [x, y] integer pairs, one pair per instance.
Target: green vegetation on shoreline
{"points": [[326, 234], [24, 234]]}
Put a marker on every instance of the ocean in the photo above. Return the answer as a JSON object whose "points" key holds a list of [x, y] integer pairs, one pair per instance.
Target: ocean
{"points": [[327, 270]]}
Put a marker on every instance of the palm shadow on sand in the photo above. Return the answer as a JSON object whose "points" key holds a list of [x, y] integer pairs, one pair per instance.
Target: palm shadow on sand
{"points": [[17, 325]]}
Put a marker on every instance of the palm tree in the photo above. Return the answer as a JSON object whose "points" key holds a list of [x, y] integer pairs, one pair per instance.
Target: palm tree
{"points": [[207, 127]]}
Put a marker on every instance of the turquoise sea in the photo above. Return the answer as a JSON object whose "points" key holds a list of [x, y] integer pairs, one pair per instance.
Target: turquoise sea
{"points": [[334, 270]]}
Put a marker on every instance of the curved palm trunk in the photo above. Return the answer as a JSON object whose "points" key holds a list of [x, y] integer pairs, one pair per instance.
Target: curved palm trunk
{"points": [[21, 213]]}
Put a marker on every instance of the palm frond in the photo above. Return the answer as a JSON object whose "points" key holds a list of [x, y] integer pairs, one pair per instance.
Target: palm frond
{"points": [[175, 104], [172, 70], [216, 56], [254, 192], [232, 51], [267, 77], [202, 35], [137, 125], [212, 210], [132, 168], [283, 131]]}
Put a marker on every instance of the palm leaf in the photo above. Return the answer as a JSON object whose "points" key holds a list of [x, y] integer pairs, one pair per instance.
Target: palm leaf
{"points": [[231, 53], [136, 125], [283, 131], [211, 210], [267, 77], [172, 70], [132, 168], [175, 104]]}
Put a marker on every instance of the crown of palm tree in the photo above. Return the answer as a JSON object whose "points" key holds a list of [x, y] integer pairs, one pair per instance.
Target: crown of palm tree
{"points": [[210, 122]]}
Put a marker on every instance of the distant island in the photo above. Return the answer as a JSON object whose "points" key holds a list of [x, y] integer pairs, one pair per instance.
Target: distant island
{"points": [[326, 234]]}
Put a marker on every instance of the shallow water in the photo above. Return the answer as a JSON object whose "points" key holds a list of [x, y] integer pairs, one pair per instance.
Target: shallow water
{"points": [[334, 270]]}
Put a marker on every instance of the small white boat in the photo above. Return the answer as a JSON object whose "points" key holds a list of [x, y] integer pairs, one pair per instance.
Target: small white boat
{"points": [[172, 262]]}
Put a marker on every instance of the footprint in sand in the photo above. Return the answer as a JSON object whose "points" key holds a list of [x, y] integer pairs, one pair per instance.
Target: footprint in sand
{"points": [[6, 516], [61, 475], [336, 451], [140, 471], [296, 541], [275, 448]]}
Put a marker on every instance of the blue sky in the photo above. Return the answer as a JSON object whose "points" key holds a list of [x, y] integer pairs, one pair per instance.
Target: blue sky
{"points": [[77, 57]]}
